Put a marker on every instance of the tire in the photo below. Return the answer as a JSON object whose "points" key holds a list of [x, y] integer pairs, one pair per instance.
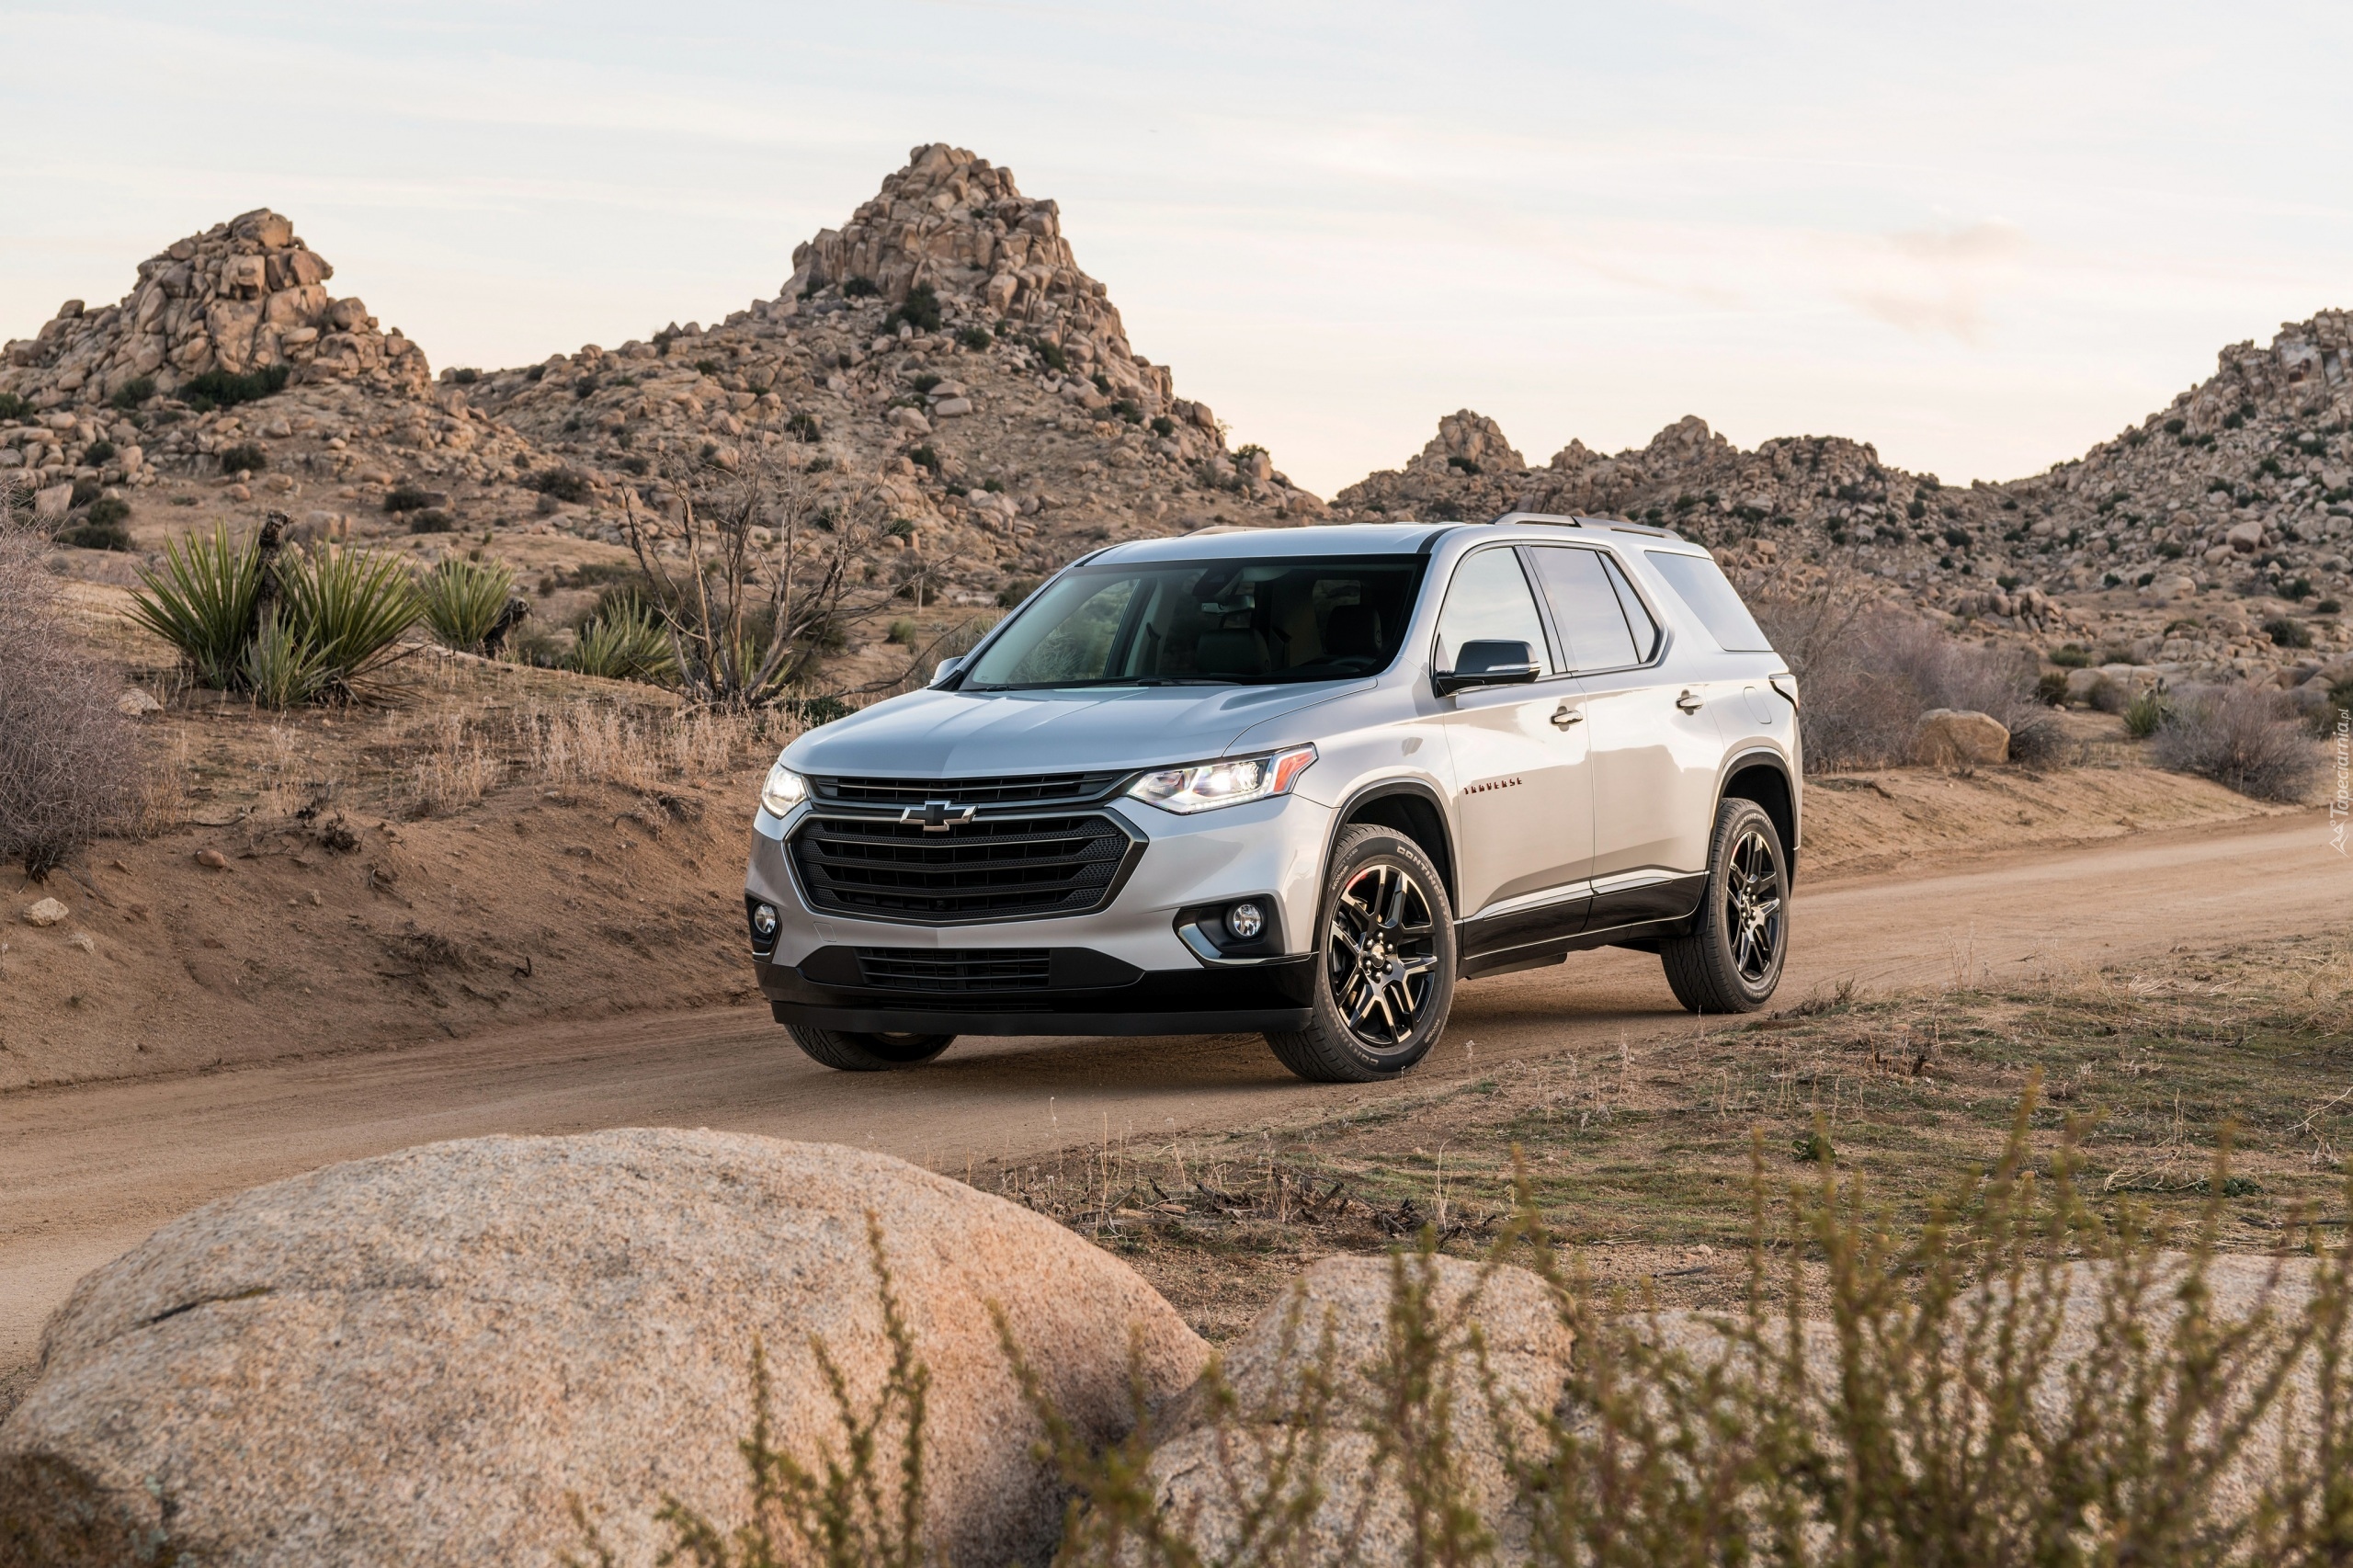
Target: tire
{"points": [[868, 1052], [1731, 960], [1384, 972]]}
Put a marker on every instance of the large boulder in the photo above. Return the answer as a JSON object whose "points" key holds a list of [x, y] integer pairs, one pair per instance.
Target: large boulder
{"points": [[1958, 737], [421, 1359], [1240, 1432]]}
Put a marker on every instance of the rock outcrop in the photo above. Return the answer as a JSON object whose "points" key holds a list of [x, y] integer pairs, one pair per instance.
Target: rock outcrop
{"points": [[419, 1358]]}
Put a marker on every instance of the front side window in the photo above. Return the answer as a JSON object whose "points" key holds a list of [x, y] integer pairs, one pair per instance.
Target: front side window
{"points": [[1488, 601], [1214, 623]]}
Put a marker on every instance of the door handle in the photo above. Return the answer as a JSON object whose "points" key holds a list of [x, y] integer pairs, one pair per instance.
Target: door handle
{"points": [[1564, 715], [1690, 702]]}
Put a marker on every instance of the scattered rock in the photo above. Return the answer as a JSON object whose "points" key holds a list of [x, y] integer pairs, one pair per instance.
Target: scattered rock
{"points": [[213, 860], [82, 940], [136, 703], [48, 911], [1953, 737], [435, 1349]]}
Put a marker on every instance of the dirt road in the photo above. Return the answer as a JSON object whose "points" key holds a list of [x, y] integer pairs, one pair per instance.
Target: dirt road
{"points": [[86, 1172]]}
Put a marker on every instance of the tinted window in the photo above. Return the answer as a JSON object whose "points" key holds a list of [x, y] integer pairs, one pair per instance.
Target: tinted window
{"points": [[1700, 584], [1585, 608], [1488, 601], [1638, 615], [1241, 622]]}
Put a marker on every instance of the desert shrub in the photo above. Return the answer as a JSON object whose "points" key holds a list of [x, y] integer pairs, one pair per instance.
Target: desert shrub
{"points": [[99, 451], [462, 601], [213, 598], [2335, 710], [1461, 464], [2328, 606], [902, 634], [975, 338], [2286, 632], [465, 376], [1128, 410], [15, 407], [407, 498], [2030, 1377], [859, 289], [1013, 592], [2146, 714], [1867, 671], [246, 457], [625, 642], [201, 599], [925, 457], [226, 389], [86, 491], [92, 535], [2071, 656], [1051, 353], [69, 763], [2233, 737], [803, 427], [1162, 426], [2051, 688], [563, 483], [432, 520], [919, 309]]}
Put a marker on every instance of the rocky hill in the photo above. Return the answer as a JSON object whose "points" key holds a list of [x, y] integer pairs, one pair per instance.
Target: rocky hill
{"points": [[2179, 542]]}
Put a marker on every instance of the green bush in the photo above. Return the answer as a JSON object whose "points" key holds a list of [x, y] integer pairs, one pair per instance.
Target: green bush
{"points": [[2146, 714], [200, 599], [1162, 426], [15, 407], [462, 600], [859, 289], [2072, 657], [924, 457], [566, 484], [86, 493], [246, 457], [926, 383], [1013, 592], [625, 642], [1051, 353], [2287, 633], [802, 427], [708, 367], [2336, 709], [407, 498], [465, 376], [97, 536], [99, 451], [1463, 465], [902, 634], [975, 338], [919, 309], [2051, 688], [108, 511], [432, 520], [1128, 410], [2328, 606], [352, 606], [224, 388], [134, 392], [2297, 588]]}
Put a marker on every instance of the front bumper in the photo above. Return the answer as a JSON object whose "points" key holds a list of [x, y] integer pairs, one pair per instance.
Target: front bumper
{"points": [[1121, 969]]}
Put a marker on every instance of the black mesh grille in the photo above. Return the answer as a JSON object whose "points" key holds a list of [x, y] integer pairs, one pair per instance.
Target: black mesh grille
{"points": [[1036, 788], [990, 870], [959, 971]]}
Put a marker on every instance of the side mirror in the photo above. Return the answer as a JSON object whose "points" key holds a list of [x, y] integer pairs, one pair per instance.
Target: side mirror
{"points": [[945, 667], [1497, 663]]}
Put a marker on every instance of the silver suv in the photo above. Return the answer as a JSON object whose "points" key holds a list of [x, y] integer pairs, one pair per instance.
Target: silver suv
{"points": [[1297, 781]]}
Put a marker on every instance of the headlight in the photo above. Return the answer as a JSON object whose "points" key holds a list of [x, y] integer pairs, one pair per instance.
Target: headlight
{"points": [[1204, 786], [783, 790]]}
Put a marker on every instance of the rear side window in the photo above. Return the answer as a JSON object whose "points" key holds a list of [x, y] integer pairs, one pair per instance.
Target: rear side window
{"points": [[1585, 608], [1699, 583]]}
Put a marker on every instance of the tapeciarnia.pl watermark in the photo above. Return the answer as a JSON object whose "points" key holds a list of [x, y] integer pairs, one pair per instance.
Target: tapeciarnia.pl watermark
{"points": [[2340, 803]]}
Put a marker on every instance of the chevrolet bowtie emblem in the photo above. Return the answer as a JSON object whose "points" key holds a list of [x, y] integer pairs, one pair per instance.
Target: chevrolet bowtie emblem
{"points": [[936, 816]]}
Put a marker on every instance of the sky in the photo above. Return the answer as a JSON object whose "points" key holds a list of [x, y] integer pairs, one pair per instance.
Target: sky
{"points": [[1980, 237]]}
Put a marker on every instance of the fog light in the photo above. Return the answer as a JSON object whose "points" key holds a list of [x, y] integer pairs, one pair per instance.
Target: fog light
{"points": [[1245, 921], [763, 921]]}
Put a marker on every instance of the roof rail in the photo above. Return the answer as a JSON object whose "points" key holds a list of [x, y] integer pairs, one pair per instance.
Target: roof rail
{"points": [[1557, 520]]}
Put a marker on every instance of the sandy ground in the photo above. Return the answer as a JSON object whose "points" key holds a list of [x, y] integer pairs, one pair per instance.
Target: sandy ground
{"points": [[90, 1170]]}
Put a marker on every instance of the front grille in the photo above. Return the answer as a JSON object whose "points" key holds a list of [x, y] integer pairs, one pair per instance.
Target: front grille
{"points": [[1024, 790], [1006, 867], [959, 971]]}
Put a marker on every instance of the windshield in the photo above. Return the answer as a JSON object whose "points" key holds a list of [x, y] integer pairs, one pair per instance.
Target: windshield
{"points": [[1208, 622]]}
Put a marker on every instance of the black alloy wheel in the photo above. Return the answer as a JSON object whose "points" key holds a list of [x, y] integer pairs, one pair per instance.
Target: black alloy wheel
{"points": [[1384, 980], [1731, 960]]}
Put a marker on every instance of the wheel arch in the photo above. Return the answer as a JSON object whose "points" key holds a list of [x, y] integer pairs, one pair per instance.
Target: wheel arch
{"points": [[1411, 807], [1763, 776]]}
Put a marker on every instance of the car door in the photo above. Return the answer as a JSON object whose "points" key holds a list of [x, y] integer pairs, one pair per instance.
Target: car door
{"points": [[1523, 792], [1655, 745]]}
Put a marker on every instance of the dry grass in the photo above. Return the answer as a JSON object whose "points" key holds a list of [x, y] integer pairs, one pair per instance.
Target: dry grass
{"points": [[1641, 1152], [2237, 737], [459, 757]]}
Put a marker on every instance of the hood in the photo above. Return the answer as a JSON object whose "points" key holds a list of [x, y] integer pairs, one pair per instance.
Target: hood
{"points": [[954, 733]]}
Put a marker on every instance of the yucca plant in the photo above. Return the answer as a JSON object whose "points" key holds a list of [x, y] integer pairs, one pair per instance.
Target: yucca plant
{"points": [[462, 600], [624, 643], [201, 601], [281, 667], [352, 606]]}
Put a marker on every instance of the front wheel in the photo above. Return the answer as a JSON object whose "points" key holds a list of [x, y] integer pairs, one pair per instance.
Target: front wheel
{"points": [[1731, 962], [1384, 972], [851, 1052]]}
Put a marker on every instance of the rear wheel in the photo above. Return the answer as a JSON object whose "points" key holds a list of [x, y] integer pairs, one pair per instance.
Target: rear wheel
{"points": [[1384, 976], [868, 1052], [1731, 962]]}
